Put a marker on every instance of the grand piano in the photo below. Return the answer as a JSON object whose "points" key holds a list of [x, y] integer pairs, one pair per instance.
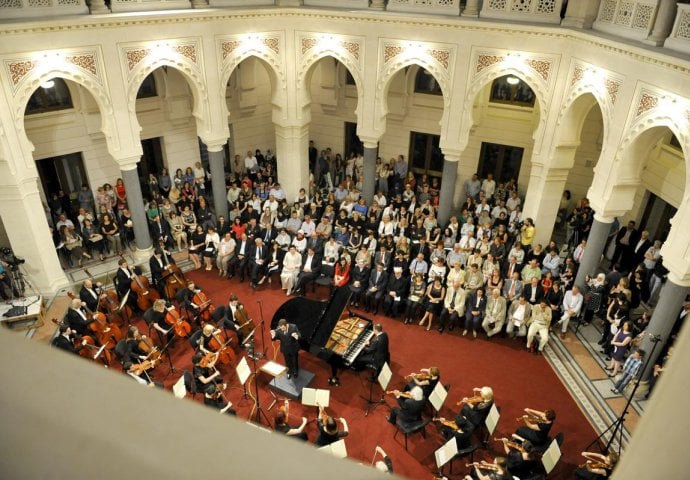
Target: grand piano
{"points": [[330, 331]]}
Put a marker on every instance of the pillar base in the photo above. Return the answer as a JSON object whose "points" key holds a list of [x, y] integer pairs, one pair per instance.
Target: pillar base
{"points": [[142, 256]]}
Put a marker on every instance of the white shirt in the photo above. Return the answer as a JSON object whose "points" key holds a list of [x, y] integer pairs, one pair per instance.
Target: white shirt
{"points": [[307, 263]]}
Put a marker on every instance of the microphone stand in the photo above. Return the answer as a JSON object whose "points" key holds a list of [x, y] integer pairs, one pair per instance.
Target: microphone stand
{"points": [[263, 328], [259, 409]]}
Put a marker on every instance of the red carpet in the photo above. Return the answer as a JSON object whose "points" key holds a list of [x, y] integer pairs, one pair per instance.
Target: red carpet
{"points": [[518, 378]]}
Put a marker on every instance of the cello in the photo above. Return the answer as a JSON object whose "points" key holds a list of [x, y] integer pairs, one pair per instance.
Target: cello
{"points": [[152, 352], [204, 305], [174, 280], [85, 344], [145, 294], [107, 333], [244, 323], [181, 327], [220, 345]]}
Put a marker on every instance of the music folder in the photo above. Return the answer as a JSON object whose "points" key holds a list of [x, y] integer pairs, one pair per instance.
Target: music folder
{"points": [[179, 389], [492, 419], [314, 397], [438, 396], [551, 457], [385, 376], [446, 453], [243, 370], [337, 449], [274, 369]]}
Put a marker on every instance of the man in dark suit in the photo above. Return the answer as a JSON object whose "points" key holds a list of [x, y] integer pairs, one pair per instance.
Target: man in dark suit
{"points": [[311, 267], [638, 250], [88, 295], [268, 235], [533, 292], [383, 256], [76, 317], [289, 336], [626, 239], [160, 232], [377, 287], [376, 352], [240, 259], [64, 341], [157, 267], [395, 292], [124, 278], [474, 312], [410, 410], [258, 253]]}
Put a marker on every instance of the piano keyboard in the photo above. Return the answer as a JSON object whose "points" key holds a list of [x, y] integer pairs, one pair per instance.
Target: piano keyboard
{"points": [[357, 347]]}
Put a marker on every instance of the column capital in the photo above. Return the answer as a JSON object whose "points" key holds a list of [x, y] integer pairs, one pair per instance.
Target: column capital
{"points": [[215, 145], [369, 141], [603, 218], [128, 163]]}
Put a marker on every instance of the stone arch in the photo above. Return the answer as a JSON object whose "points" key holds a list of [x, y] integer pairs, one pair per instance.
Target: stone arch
{"points": [[274, 68], [308, 64], [425, 61], [569, 127], [66, 71], [488, 75], [189, 70]]}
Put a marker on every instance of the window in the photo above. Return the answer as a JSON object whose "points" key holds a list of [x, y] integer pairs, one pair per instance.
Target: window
{"points": [[425, 82], [50, 96], [674, 142], [503, 161], [352, 142], [147, 88], [349, 79], [425, 156], [510, 89], [64, 172]]}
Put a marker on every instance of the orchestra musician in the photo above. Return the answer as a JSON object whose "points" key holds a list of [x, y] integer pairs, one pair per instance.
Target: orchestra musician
{"points": [[139, 373], [289, 336], [281, 425], [133, 352], [462, 429], [477, 408], [328, 429], [598, 466], [64, 340], [490, 471], [230, 319], [213, 397], [160, 269], [521, 457], [186, 299], [427, 378], [76, 317], [155, 317], [204, 371], [537, 426], [385, 464], [88, 294], [411, 405]]}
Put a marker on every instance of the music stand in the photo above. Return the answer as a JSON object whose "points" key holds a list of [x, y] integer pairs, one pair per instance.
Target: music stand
{"points": [[275, 370], [384, 379], [263, 329], [243, 374], [551, 456], [259, 409], [166, 348], [446, 453], [438, 397]]}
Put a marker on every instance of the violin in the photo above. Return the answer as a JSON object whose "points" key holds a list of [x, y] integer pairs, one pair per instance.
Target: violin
{"points": [[174, 280], [484, 466], [221, 346], [513, 445], [594, 465], [530, 417], [420, 376], [204, 305], [447, 423], [181, 327], [472, 400]]}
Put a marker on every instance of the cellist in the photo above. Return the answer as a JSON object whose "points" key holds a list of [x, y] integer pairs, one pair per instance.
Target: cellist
{"points": [[156, 318], [232, 321], [133, 352], [88, 294], [204, 371], [76, 317], [186, 299]]}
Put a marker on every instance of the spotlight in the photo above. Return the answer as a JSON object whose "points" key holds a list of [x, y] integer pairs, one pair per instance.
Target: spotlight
{"points": [[48, 85], [512, 80]]}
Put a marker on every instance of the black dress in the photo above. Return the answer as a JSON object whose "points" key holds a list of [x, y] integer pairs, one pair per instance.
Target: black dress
{"points": [[537, 437]]}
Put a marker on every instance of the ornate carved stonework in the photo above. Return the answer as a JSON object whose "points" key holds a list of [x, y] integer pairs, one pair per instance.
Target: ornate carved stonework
{"points": [[441, 56], [540, 66], [307, 44], [352, 47], [135, 56], [187, 50], [86, 62], [578, 73], [19, 69], [647, 102], [273, 43], [485, 61], [391, 51], [229, 46], [612, 86]]}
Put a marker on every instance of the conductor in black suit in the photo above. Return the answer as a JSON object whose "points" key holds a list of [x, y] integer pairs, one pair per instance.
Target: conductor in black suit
{"points": [[289, 336], [411, 406], [376, 353]]}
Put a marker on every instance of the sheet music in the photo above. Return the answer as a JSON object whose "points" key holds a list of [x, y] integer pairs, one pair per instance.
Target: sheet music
{"points": [[551, 456], [385, 376], [337, 449], [492, 419], [273, 368], [243, 370], [314, 397], [179, 390], [446, 453], [438, 396]]}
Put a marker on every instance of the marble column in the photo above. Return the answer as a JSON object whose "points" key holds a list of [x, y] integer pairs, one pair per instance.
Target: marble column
{"points": [[471, 9], [601, 226], [292, 152], [371, 151], [581, 14], [216, 160], [135, 203], [445, 198], [671, 301], [27, 229], [543, 198], [663, 23]]}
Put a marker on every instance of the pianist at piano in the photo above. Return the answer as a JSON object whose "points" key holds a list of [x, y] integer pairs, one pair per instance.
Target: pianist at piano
{"points": [[375, 354], [289, 336]]}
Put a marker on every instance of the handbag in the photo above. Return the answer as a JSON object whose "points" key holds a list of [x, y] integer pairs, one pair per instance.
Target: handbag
{"points": [[96, 237], [73, 245]]}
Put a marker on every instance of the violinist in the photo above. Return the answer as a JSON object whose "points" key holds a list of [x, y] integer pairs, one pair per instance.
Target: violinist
{"points": [[214, 398], [328, 429], [521, 457], [477, 408], [76, 317], [64, 340], [410, 407], [461, 429], [89, 296], [537, 426], [597, 467], [281, 425], [204, 371], [490, 471], [427, 378]]}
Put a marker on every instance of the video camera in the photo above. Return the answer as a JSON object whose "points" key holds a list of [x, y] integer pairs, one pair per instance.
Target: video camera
{"points": [[10, 258]]}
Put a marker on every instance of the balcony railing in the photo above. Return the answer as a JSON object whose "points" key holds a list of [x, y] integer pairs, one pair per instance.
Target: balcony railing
{"points": [[626, 18], [679, 39], [439, 7], [539, 11], [10, 9]]}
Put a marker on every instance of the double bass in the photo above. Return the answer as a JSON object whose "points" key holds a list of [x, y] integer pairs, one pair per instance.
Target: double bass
{"points": [[107, 333], [146, 295], [174, 280], [181, 327], [84, 345]]}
